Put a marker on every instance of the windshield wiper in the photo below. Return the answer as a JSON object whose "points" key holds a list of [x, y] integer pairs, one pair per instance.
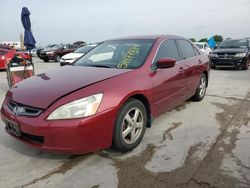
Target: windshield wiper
{"points": [[99, 65]]}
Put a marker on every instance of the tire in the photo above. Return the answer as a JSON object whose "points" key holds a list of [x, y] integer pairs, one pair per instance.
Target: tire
{"points": [[213, 67], [245, 66], [130, 128], [46, 60], [201, 90], [57, 58], [8, 78]]}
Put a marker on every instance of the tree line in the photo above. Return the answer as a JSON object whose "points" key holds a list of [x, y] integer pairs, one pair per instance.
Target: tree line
{"points": [[217, 38]]}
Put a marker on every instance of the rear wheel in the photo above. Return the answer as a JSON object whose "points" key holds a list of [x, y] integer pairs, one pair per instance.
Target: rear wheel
{"points": [[130, 125], [201, 90]]}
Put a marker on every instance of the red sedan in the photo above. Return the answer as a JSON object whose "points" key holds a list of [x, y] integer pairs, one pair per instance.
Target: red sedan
{"points": [[108, 97], [6, 55]]}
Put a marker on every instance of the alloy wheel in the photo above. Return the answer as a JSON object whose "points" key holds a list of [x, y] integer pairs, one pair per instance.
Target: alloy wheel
{"points": [[132, 125], [202, 86]]}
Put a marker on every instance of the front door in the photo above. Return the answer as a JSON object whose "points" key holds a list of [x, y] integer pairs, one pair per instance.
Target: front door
{"points": [[168, 84]]}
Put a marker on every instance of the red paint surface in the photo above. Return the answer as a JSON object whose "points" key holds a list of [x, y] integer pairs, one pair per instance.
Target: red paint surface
{"points": [[163, 89]]}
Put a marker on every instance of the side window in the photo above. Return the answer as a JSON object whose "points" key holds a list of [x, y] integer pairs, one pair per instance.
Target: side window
{"points": [[168, 49], [186, 49], [196, 51]]}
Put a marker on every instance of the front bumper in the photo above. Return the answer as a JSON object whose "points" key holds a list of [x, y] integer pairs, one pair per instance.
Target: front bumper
{"points": [[66, 61], [68, 136], [232, 62]]}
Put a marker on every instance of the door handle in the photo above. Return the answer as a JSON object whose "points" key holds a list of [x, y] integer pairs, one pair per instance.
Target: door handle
{"points": [[200, 61], [181, 69]]}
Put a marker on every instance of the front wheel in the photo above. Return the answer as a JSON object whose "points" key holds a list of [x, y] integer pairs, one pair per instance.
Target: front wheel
{"points": [[201, 90], [245, 66], [46, 60], [130, 125]]}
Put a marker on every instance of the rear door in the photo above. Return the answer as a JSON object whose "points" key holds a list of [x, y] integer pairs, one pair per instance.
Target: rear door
{"points": [[191, 61], [168, 84]]}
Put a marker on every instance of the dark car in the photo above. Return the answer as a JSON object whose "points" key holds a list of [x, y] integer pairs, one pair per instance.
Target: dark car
{"points": [[233, 53], [56, 52], [108, 96], [38, 51]]}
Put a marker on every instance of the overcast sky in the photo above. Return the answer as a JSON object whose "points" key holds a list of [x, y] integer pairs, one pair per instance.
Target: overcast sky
{"points": [[56, 21]]}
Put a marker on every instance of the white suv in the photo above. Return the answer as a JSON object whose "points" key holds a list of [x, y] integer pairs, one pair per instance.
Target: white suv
{"points": [[68, 59], [204, 47]]}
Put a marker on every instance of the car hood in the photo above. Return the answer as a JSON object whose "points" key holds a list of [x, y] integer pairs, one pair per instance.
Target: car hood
{"points": [[43, 89], [72, 55], [230, 50]]}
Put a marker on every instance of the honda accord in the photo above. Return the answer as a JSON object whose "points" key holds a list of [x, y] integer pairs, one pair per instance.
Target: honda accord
{"points": [[109, 97]]}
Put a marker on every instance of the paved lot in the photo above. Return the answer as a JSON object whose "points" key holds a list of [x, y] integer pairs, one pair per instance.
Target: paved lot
{"points": [[205, 144]]}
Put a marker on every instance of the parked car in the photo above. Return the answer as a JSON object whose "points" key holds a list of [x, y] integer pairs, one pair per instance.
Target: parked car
{"points": [[33, 52], [204, 47], [6, 47], [7, 55], [108, 100], [233, 53], [38, 50], [71, 57], [56, 52]]}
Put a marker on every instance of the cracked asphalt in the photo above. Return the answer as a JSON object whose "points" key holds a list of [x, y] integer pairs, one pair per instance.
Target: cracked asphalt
{"points": [[196, 145]]}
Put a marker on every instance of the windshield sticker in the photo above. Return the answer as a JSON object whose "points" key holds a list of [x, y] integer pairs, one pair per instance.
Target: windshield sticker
{"points": [[132, 52]]}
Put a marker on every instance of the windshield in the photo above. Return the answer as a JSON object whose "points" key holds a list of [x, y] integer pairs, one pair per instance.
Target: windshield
{"points": [[84, 49], [200, 46], [122, 54], [234, 44]]}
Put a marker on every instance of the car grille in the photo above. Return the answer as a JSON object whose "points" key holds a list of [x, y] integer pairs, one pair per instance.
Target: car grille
{"points": [[33, 138], [226, 55], [22, 110]]}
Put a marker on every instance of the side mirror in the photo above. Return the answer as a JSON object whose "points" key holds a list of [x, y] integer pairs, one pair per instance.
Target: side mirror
{"points": [[166, 63]]}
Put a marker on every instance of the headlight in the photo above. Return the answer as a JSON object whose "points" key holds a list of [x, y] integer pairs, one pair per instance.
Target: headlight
{"points": [[49, 53], [240, 55], [213, 54], [79, 108]]}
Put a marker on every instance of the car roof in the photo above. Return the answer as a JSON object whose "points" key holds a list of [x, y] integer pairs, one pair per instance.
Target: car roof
{"points": [[149, 37]]}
